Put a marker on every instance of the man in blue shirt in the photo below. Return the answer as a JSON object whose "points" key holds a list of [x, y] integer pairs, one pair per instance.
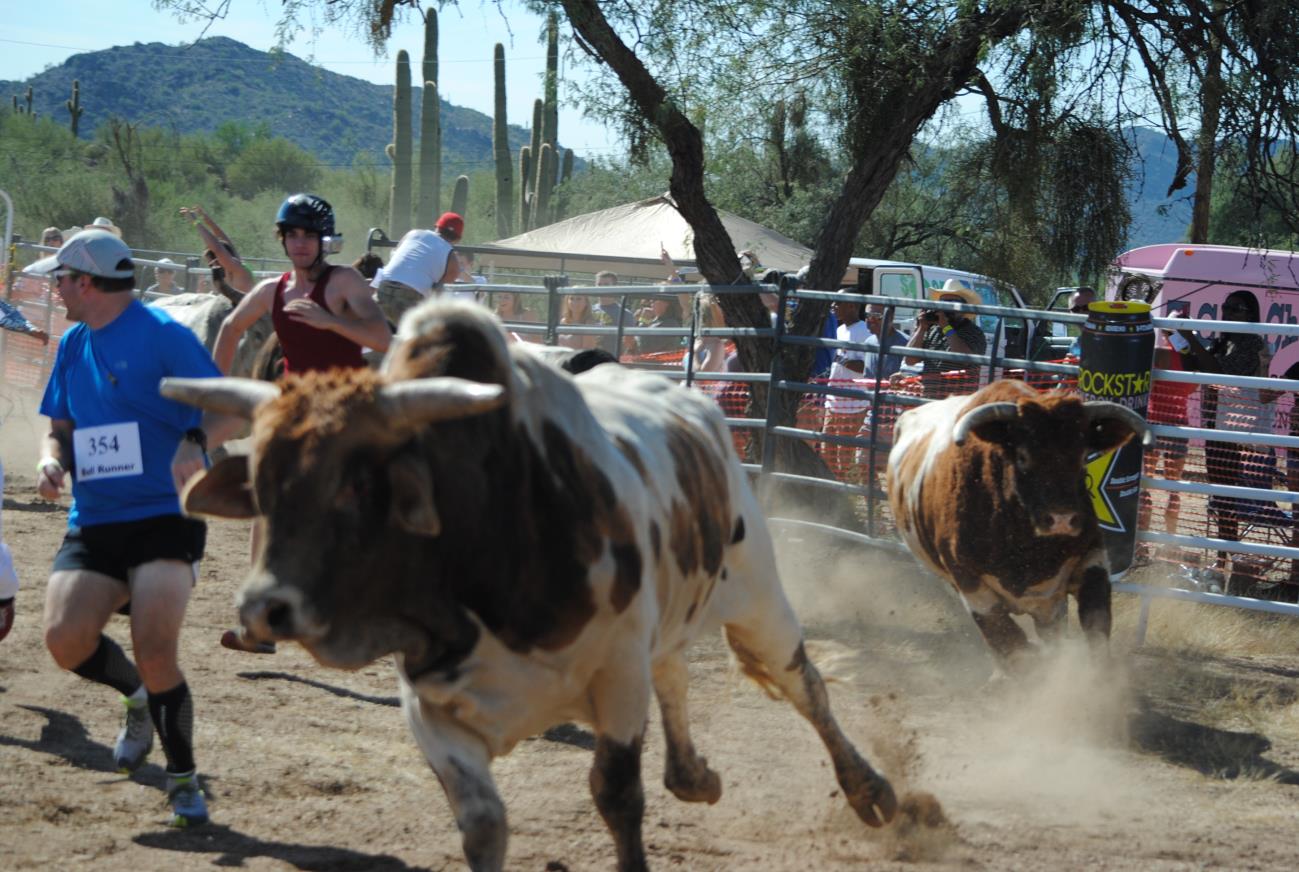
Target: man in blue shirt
{"points": [[126, 449], [897, 339]]}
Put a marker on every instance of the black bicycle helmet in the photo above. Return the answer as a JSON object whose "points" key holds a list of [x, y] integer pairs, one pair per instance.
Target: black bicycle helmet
{"points": [[308, 212]]}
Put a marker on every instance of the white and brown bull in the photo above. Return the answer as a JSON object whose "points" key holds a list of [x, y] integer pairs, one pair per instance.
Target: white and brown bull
{"points": [[989, 492], [534, 549]]}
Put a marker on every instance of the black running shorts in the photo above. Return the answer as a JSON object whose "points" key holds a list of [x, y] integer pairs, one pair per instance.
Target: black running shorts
{"points": [[115, 549]]}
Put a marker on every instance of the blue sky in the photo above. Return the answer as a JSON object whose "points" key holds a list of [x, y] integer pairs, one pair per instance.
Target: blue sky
{"points": [[43, 34]]}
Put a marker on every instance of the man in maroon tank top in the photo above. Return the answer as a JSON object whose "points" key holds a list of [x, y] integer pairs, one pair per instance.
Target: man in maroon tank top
{"points": [[323, 314]]}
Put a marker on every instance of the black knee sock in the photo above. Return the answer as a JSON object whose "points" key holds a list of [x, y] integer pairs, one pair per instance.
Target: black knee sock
{"points": [[110, 665], [173, 716]]}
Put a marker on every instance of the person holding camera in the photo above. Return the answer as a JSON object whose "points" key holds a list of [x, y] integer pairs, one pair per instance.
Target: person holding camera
{"points": [[229, 275], [946, 331]]}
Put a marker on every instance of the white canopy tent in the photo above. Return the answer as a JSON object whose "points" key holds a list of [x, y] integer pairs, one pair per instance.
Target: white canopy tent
{"points": [[626, 240]]}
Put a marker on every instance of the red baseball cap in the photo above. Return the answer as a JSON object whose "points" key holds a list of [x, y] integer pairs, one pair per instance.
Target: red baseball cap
{"points": [[452, 223]]}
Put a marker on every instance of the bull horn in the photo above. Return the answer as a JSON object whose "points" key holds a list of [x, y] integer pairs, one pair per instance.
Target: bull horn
{"points": [[444, 398], [1101, 409], [983, 415], [227, 396]]}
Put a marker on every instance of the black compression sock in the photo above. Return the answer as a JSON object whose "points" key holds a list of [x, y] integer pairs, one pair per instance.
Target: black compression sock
{"points": [[110, 665], [173, 716]]}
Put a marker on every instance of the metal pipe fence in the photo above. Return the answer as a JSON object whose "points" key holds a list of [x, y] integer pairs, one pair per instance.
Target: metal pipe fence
{"points": [[1184, 500]]}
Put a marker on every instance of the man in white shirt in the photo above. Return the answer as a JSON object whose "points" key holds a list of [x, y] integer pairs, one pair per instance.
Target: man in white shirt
{"points": [[421, 264], [843, 415]]}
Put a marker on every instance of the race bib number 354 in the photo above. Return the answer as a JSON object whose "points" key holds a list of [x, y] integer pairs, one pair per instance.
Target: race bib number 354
{"points": [[110, 451]]}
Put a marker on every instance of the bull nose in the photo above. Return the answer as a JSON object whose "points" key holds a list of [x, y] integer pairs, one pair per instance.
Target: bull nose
{"points": [[268, 618], [1063, 523]]}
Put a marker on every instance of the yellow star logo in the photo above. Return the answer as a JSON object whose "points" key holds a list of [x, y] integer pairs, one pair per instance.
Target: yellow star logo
{"points": [[1097, 473]]}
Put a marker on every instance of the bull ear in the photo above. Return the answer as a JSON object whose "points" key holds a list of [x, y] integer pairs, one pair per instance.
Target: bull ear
{"points": [[412, 497], [221, 492]]}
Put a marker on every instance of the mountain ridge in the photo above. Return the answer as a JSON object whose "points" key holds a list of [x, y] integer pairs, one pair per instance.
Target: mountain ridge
{"points": [[155, 84]]}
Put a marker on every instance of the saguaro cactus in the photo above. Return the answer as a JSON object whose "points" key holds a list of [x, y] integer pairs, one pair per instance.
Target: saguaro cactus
{"points": [[460, 197], [535, 145], [430, 129], [545, 181], [550, 87], [74, 106], [501, 150], [559, 198], [399, 200], [29, 101], [525, 195]]}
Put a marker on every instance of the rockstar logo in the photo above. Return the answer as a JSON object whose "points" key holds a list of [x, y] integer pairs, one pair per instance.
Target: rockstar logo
{"points": [[1097, 474]]}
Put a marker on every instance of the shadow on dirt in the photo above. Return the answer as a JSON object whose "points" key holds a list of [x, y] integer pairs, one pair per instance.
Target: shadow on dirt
{"points": [[570, 734], [1216, 753], [234, 849], [392, 701], [35, 506], [65, 737]]}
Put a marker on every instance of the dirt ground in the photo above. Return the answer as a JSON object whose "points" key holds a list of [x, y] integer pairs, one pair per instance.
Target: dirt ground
{"points": [[1181, 755]]}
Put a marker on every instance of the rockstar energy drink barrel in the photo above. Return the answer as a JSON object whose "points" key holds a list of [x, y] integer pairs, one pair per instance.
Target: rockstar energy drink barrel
{"points": [[1117, 347]]}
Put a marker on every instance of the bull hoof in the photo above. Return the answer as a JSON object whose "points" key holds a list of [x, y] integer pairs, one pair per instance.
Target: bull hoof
{"points": [[696, 784], [868, 792]]}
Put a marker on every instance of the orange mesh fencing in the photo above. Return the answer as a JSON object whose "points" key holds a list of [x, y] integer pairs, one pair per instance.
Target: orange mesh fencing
{"points": [[27, 360]]}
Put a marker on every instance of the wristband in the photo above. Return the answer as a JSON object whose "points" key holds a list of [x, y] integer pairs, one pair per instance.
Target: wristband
{"points": [[46, 461], [198, 437]]}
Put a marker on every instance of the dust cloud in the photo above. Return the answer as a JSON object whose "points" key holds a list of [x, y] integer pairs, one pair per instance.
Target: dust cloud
{"points": [[1046, 740]]}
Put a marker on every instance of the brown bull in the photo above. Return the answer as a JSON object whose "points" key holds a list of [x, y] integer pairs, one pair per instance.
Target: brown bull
{"points": [[534, 549], [988, 491]]}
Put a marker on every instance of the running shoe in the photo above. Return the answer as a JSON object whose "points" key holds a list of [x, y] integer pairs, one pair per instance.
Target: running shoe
{"points": [[136, 738], [188, 807]]}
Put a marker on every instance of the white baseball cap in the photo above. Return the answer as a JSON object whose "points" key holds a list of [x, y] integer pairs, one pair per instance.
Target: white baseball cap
{"points": [[107, 224], [93, 252], [166, 264]]}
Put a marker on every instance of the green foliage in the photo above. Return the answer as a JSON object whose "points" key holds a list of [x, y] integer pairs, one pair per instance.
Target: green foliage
{"points": [[271, 165]]}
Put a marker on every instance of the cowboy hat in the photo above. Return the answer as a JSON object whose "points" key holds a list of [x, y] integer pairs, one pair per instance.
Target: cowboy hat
{"points": [[102, 223], [953, 287]]}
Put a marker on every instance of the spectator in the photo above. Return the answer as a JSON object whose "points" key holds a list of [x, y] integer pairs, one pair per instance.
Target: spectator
{"points": [[1233, 409], [164, 275], [468, 265], [577, 311], [421, 264], [843, 415], [11, 318], [102, 223], [946, 331], [674, 275], [368, 265], [229, 275], [1079, 300], [897, 339], [612, 312], [709, 352], [663, 312], [52, 237]]}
